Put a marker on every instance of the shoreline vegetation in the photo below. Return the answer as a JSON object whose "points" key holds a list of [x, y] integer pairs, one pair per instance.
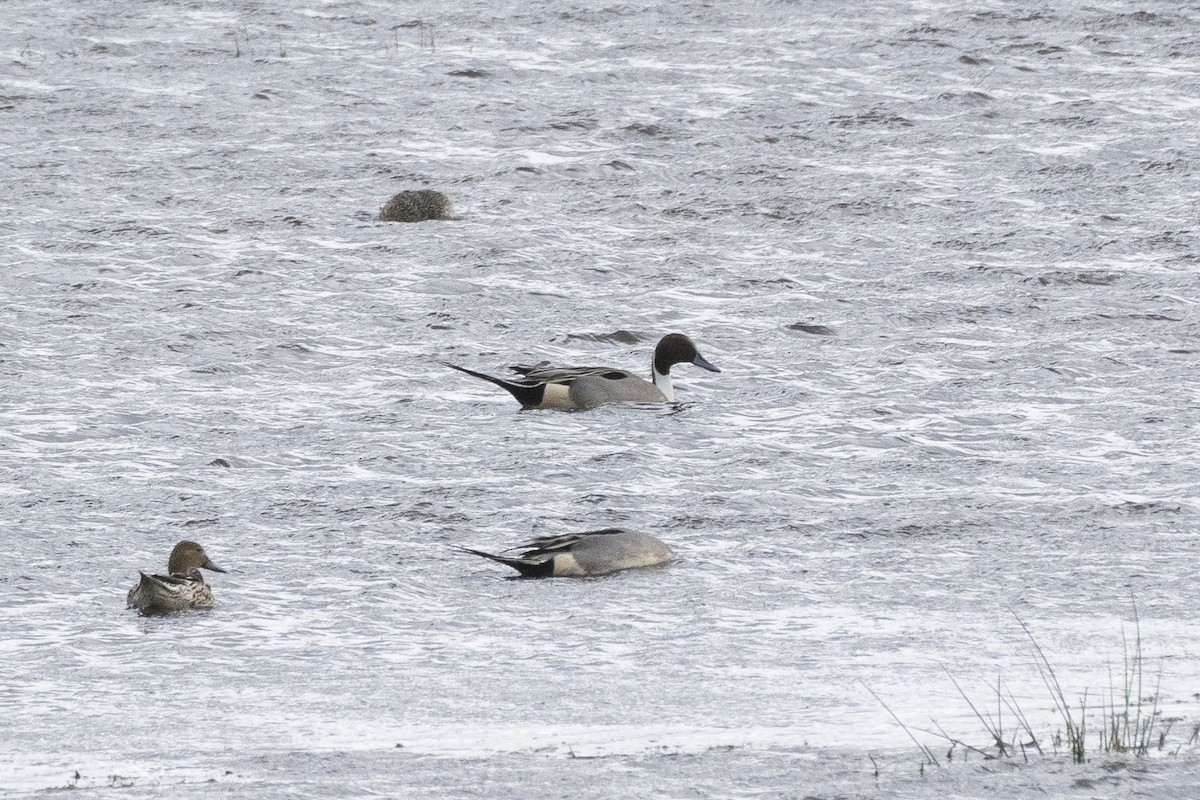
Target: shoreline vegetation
{"points": [[1124, 719]]}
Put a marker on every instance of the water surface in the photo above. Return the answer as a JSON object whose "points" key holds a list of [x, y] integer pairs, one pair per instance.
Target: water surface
{"points": [[944, 255]]}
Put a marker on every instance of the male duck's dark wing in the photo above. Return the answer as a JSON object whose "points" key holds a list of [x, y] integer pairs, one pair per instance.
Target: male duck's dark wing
{"points": [[548, 545], [544, 373], [562, 542]]}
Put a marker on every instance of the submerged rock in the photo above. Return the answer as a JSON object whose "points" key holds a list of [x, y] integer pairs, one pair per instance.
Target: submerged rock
{"points": [[417, 206]]}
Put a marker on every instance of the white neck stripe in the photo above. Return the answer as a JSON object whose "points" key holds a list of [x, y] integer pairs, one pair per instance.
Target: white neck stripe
{"points": [[663, 382]]}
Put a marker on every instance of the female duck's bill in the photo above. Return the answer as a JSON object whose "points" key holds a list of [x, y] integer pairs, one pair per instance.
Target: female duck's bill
{"points": [[583, 554], [583, 388], [183, 586]]}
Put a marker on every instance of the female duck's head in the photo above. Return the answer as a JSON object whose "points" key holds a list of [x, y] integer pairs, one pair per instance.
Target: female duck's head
{"points": [[187, 557]]}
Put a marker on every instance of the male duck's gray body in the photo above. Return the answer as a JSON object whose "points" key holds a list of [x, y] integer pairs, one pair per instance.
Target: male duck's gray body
{"points": [[582, 554], [582, 388]]}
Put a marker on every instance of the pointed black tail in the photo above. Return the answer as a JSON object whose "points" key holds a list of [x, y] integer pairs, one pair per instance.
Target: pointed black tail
{"points": [[529, 396], [528, 569]]}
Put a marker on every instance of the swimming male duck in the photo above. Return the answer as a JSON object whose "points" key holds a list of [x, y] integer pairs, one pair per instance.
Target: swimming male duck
{"points": [[181, 588], [583, 554], [583, 388]]}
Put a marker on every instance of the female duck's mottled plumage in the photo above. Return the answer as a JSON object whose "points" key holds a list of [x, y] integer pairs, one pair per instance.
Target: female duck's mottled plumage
{"points": [[583, 388], [582, 554], [181, 588]]}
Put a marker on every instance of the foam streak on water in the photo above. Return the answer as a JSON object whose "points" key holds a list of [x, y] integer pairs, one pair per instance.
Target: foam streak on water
{"points": [[943, 253]]}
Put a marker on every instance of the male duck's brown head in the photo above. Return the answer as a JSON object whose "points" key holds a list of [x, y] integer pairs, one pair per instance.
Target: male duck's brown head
{"points": [[675, 348]]}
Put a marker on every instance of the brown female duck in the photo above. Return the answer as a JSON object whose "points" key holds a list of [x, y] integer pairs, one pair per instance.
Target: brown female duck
{"points": [[181, 588]]}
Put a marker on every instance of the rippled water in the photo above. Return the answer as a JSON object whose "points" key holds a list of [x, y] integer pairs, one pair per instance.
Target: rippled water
{"points": [[944, 254]]}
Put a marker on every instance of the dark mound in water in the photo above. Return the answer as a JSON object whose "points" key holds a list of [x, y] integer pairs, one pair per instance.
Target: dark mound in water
{"points": [[416, 206]]}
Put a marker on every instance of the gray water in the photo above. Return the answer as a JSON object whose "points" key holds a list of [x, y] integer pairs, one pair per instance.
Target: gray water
{"points": [[945, 255]]}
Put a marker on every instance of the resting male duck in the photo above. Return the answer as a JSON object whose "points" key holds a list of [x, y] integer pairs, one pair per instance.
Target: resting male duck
{"points": [[582, 554], [583, 388], [181, 588]]}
